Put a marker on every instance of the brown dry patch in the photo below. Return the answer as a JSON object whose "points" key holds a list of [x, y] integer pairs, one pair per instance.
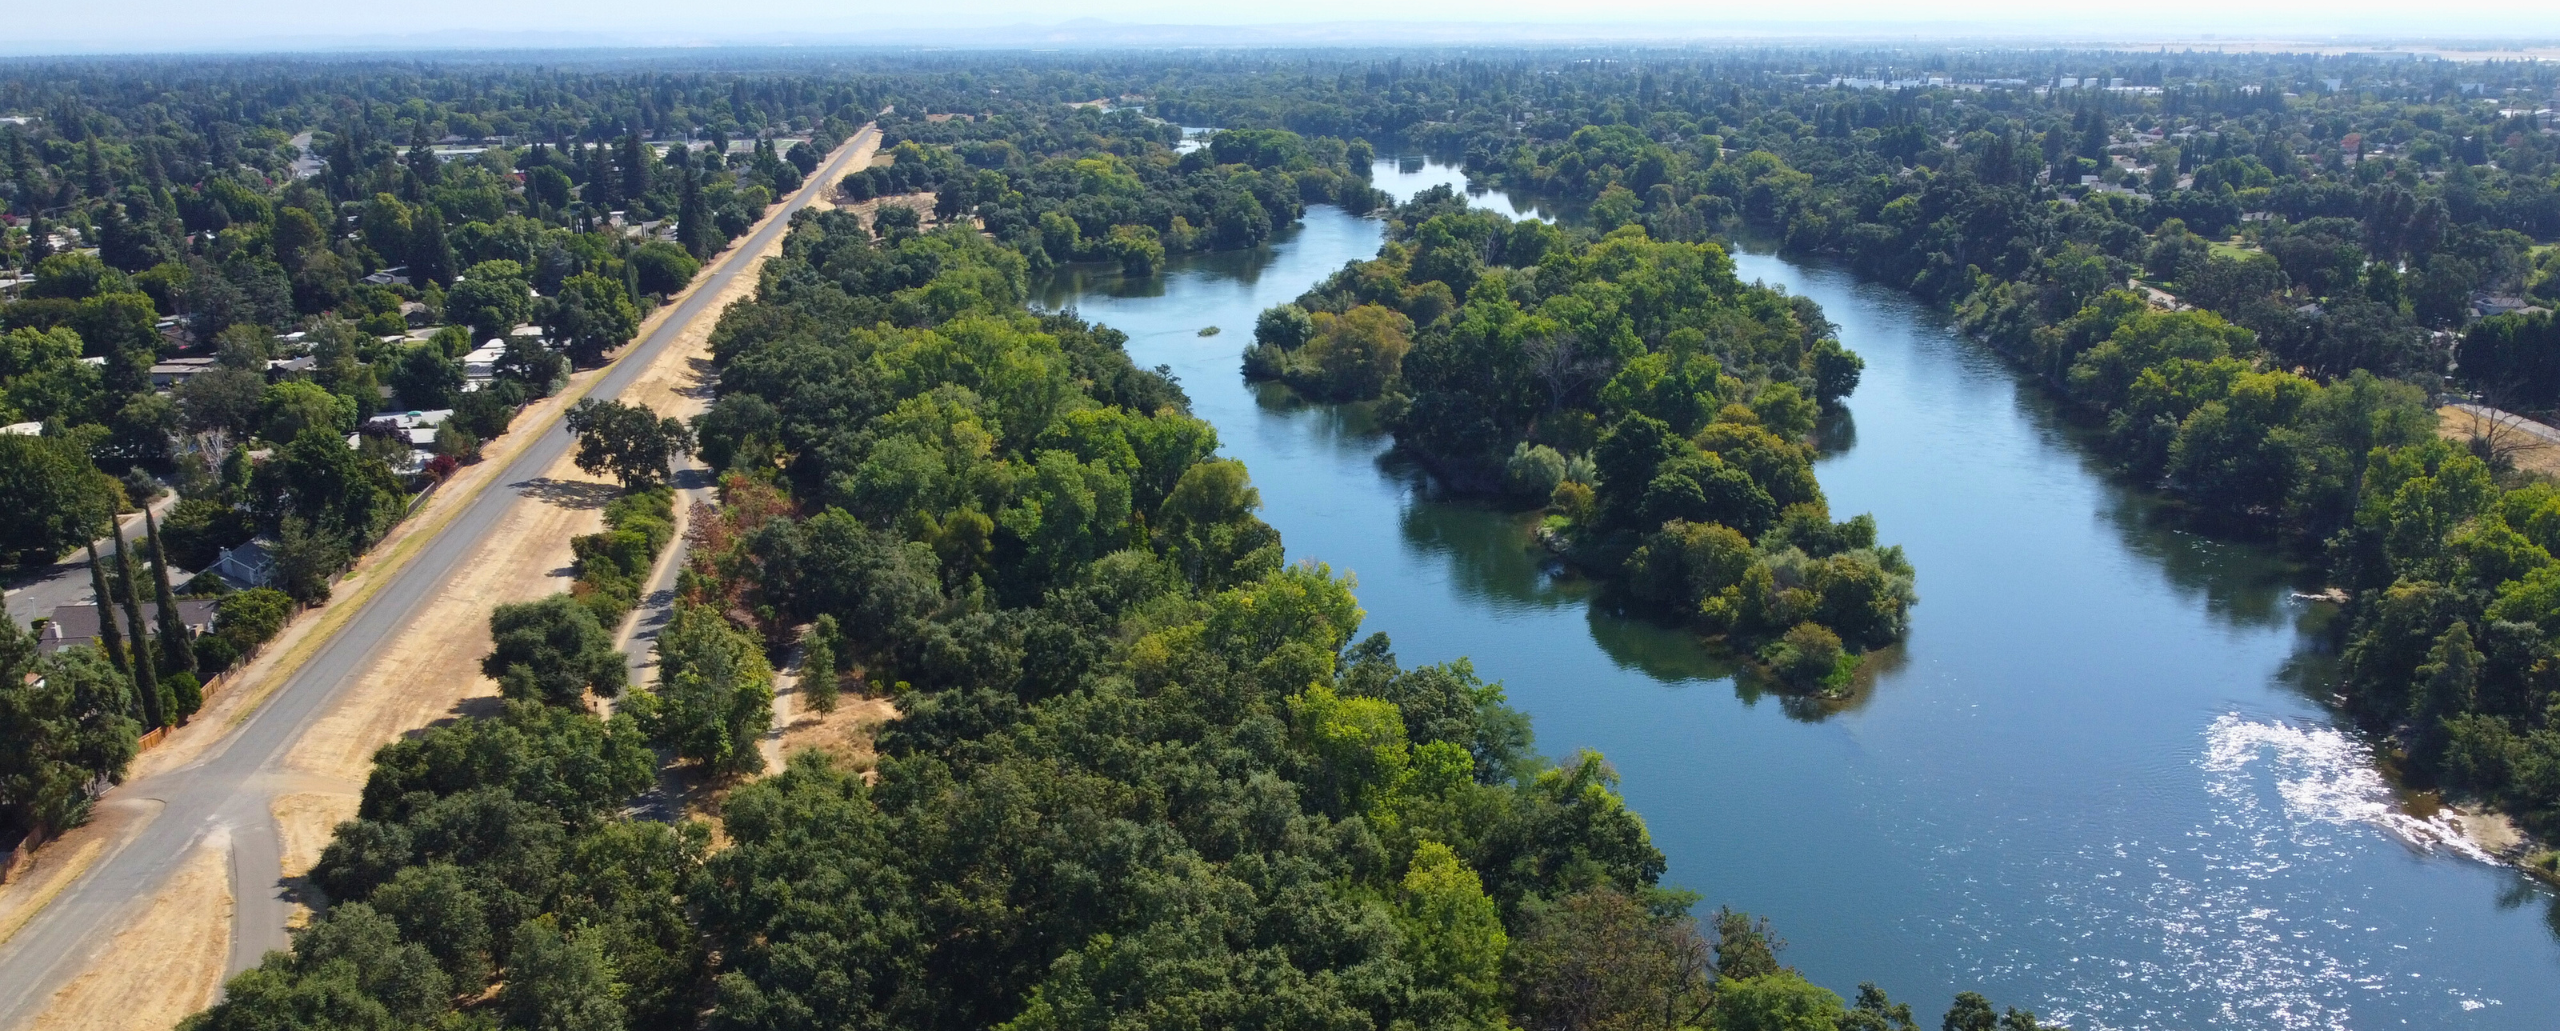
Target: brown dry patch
{"points": [[304, 822], [2492, 831], [845, 735], [2530, 454], [167, 964]]}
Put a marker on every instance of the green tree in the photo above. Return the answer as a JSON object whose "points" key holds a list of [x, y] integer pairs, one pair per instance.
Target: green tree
{"points": [[2447, 687], [426, 378], [664, 268], [630, 442], [552, 651], [715, 691], [591, 316], [1599, 959], [56, 498], [492, 298], [289, 408], [560, 980], [1970, 1012], [110, 636], [157, 703], [1454, 940], [66, 724], [1781, 1001], [818, 673], [177, 648]]}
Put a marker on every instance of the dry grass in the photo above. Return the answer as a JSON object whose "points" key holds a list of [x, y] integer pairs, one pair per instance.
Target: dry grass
{"points": [[2529, 454], [845, 735], [167, 964], [304, 822]]}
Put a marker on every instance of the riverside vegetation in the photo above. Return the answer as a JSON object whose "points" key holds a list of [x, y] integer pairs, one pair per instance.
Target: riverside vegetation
{"points": [[1662, 406], [1145, 773], [2248, 272]]}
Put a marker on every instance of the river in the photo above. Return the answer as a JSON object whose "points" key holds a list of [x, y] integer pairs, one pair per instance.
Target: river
{"points": [[2098, 779]]}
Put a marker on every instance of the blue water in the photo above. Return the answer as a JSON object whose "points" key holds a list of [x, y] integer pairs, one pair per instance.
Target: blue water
{"points": [[2098, 780]]}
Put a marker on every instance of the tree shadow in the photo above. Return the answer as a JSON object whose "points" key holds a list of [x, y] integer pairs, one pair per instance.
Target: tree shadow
{"points": [[706, 380], [569, 494]]}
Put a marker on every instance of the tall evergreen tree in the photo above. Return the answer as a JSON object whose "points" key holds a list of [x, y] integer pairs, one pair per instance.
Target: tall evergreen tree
{"points": [[694, 231], [177, 653], [110, 637], [635, 162], [430, 254], [146, 679]]}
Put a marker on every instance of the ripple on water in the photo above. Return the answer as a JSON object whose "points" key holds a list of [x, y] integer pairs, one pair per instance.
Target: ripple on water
{"points": [[2232, 919], [2326, 779]]}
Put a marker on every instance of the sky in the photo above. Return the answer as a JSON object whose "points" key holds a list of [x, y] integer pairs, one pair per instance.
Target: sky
{"points": [[184, 25]]}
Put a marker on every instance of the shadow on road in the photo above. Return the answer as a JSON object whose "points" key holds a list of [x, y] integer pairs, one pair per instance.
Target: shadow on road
{"points": [[572, 494]]}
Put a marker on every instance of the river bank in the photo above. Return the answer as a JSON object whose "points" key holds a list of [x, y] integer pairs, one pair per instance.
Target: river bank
{"points": [[2101, 777]]}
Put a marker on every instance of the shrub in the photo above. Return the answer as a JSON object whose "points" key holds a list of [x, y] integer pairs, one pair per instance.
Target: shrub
{"points": [[1535, 470], [251, 618], [1809, 656]]}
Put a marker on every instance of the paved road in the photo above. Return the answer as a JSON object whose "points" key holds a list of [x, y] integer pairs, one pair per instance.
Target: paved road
{"points": [[232, 787], [35, 594]]}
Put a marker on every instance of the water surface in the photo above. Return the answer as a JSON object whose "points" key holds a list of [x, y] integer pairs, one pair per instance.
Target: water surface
{"points": [[2098, 780]]}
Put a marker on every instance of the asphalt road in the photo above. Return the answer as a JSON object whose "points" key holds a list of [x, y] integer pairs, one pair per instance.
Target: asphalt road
{"points": [[38, 593], [233, 786]]}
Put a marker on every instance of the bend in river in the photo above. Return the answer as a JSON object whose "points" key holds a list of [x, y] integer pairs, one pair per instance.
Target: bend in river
{"points": [[2098, 779]]}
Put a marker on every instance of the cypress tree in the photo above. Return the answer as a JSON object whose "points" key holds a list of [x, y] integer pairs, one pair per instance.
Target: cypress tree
{"points": [[636, 159], [430, 253], [110, 638], [146, 680], [693, 219], [177, 652]]}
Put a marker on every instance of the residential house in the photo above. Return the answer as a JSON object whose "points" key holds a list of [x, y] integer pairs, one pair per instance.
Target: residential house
{"points": [[248, 565], [75, 625], [174, 371]]}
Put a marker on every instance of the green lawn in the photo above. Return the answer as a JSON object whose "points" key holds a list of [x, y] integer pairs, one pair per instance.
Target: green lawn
{"points": [[2229, 249]]}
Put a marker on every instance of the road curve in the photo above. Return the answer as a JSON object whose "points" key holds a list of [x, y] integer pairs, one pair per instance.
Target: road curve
{"points": [[232, 786]]}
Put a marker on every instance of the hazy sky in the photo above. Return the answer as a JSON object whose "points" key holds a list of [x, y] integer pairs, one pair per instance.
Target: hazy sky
{"points": [[63, 25]]}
